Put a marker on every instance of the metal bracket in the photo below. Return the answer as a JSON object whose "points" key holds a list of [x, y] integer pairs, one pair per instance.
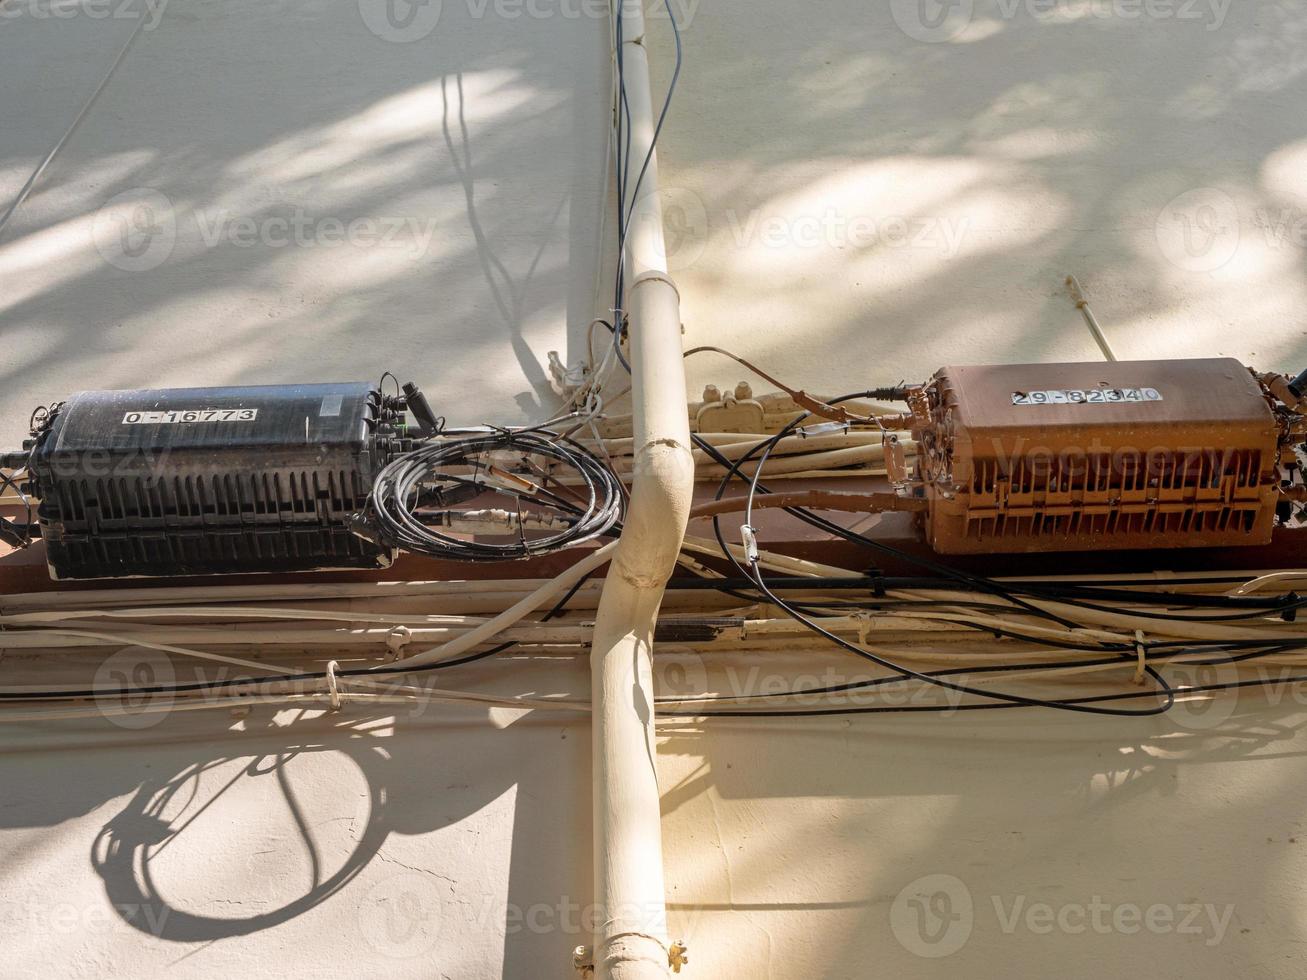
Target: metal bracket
{"points": [[678, 955], [584, 961]]}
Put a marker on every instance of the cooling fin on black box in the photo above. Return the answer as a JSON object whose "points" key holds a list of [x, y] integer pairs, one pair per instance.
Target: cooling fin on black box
{"points": [[200, 481]]}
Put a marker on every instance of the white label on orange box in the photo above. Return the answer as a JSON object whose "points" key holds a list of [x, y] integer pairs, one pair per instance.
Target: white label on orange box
{"points": [[1086, 396]]}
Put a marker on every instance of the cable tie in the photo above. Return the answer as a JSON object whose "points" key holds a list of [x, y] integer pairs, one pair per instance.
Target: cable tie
{"points": [[1142, 655], [397, 639], [864, 627], [821, 429], [333, 687], [750, 540]]}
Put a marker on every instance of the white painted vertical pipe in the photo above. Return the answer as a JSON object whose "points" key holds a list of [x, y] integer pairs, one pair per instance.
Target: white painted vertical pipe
{"points": [[631, 940]]}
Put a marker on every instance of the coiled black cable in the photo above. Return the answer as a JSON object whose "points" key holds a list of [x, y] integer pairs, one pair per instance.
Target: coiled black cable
{"points": [[588, 510]]}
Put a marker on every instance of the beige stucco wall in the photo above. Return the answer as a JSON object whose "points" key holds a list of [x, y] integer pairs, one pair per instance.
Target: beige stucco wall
{"points": [[850, 204]]}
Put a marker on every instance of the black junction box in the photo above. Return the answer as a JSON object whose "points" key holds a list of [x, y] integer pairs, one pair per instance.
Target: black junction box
{"points": [[200, 481]]}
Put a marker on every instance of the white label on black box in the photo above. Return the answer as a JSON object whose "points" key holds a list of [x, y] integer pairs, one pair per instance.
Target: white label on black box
{"points": [[185, 416]]}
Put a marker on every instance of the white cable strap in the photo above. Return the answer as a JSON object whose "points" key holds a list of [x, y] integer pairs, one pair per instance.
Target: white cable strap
{"points": [[397, 639], [1141, 655], [864, 627], [333, 686]]}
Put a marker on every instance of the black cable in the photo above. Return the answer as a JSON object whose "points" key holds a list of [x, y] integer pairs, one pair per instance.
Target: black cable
{"points": [[857, 686], [622, 164], [1164, 689], [1071, 703], [883, 583], [399, 489]]}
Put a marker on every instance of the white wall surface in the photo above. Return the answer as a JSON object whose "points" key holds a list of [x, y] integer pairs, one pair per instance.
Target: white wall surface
{"points": [[838, 185], [1020, 147]]}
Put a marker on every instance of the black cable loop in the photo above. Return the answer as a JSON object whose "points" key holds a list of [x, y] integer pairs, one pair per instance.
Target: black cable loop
{"points": [[399, 487]]}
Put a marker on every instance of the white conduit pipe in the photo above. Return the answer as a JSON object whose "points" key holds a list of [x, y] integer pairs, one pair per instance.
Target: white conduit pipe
{"points": [[631, 941]]}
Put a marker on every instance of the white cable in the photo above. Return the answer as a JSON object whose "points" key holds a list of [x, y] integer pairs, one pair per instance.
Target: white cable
{"points": [[515, 612]]}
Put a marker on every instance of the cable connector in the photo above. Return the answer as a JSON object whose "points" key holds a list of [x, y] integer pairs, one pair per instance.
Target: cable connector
{"points": [[428, 423], [750, 539], [822, 429], [362, 527]]}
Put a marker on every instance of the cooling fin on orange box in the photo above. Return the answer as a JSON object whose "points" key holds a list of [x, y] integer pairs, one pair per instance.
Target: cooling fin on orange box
{"points": [[1078, 457]]}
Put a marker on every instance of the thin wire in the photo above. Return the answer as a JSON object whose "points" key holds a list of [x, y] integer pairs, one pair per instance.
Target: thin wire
{"points": [[26, 189], [876, 682], [623, 164]]}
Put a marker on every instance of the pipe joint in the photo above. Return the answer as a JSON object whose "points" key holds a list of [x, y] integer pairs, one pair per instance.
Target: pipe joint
{"points": [[662, 277], [635, 956], [660, 509]]}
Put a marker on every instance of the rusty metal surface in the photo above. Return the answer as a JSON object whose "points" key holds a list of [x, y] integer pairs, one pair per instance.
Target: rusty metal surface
{"points": [[1076, 457]]}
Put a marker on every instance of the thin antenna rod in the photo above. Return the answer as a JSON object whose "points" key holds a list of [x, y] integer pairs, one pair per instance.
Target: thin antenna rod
{"points": [[1082, 304]]}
